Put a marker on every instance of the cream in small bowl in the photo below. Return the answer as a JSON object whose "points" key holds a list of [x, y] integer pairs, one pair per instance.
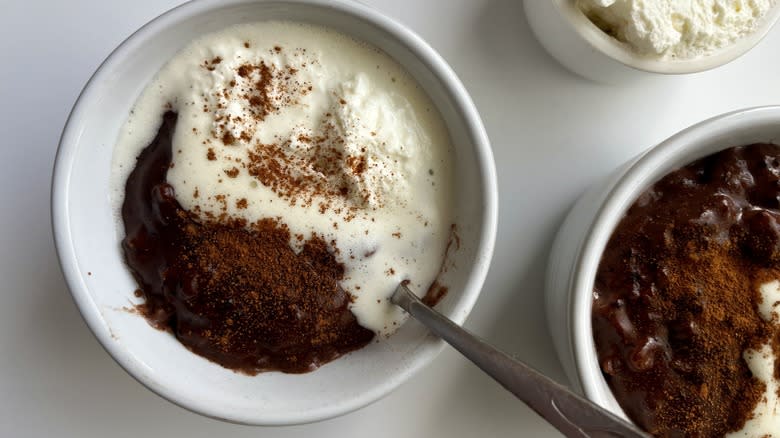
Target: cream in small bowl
{"points": [[619, 40], [592, 296], [88, 228]]}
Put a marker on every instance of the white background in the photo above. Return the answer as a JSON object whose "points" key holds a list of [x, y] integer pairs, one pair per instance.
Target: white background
{"points": [[553, 134]]}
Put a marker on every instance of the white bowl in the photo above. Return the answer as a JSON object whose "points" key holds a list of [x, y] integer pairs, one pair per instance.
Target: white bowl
{"points": [[572, 39], [87, 232], [577, 249]]}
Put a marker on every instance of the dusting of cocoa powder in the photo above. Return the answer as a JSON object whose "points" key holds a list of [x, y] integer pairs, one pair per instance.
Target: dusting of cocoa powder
{"points": [[307, 168], [233, 292], [232, 172], [260, 89], [677, 291], [254, 296]]}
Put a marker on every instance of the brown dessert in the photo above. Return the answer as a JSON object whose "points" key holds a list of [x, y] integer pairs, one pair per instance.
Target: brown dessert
{"points": [[233, 292], [677, 290]]}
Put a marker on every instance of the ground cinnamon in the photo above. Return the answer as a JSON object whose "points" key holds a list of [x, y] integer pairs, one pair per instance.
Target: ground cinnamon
{"points": [[234, 292], [677, 291]]}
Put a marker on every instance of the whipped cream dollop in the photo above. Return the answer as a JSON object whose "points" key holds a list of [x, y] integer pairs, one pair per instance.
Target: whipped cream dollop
{"points": [[676, 28], [324, 133]]}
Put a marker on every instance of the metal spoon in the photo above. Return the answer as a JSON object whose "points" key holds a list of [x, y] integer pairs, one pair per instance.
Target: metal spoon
{"points": [[571, 414]]}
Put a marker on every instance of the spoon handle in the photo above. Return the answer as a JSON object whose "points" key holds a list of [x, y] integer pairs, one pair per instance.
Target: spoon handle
{"points": [[571, 414]]}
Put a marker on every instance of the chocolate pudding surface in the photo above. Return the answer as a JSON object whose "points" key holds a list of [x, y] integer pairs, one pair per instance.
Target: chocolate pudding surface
{"points": [[676, 294]]}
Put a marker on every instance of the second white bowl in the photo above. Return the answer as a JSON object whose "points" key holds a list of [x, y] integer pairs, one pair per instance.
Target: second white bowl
{"points": [[579, 45], [577, 249]]}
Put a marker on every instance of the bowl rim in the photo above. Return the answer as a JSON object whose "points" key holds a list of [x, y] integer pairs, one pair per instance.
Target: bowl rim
{"points": [[91, 314], [618, 199], [622, 53]]}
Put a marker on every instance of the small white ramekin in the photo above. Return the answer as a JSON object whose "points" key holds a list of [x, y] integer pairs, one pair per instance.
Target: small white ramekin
{"points": [[579, 45], [87, 231], [577, 249]]}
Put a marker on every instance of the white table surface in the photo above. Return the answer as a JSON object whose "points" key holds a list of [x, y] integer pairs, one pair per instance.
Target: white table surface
{"points": [[553, 134]]}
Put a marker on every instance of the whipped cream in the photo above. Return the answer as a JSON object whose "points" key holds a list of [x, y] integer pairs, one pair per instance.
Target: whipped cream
{"points": [[327, 134], [676, 28]]}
